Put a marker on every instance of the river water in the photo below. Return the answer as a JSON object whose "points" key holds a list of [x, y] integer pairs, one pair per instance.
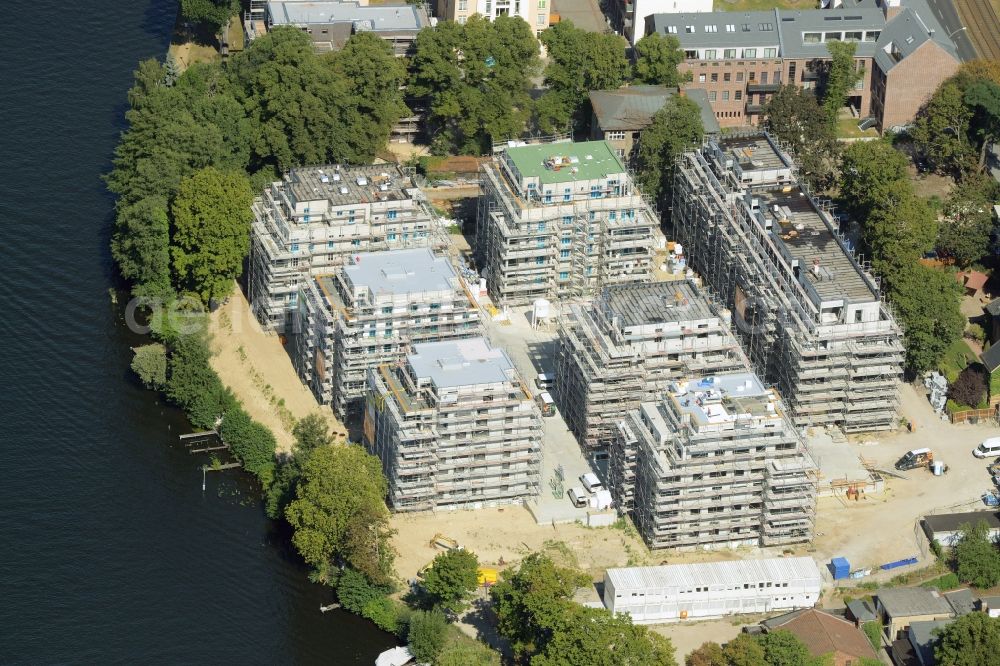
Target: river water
{"points": [[109, 550]]}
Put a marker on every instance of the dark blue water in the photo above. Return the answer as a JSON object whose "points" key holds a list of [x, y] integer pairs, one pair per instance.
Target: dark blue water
{"points": [[109, 550]]}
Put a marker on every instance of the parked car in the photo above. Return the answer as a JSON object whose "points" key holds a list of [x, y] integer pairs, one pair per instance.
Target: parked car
{"points": [[989, 448], [578, 496], [591, 482], [915, 458]]}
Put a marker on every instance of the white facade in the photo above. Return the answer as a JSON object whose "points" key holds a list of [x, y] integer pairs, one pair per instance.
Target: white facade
{"points": [[689, 591], [644, 8]]}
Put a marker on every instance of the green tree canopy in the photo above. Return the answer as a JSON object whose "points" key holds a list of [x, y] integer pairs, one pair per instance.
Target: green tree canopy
{"points": [[841, 75], [983, 98], [339, 513], [452, 577], [927, 303], [251, 442], [426, 636], [657, 58], [579, 61], [707, 654], [940, 131], [214, 13], [192, 385], [970, 640], [476, 78], [965, 233], [901, 227], [530, 601], [141, 242], [796, 119], [783, 648], [675, 128], [868, 170], [211, 231], [149, 363], [976, 557], [594, 636], [744, 650]]}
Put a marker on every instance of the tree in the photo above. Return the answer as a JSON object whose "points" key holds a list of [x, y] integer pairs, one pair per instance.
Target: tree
{"points": [[595, 636], [375, 79], [969, 389], [149, 363], [983, 97], [339, 513], [675, 128], [252, 443], [452, 577], [355, 591], [192, 385], [708, 654], [941, 128], [783, 648], [311, 432], [795, 118], [467, 654], [744, 651], [211, 231], [141, 242], [579, 61], [927, 303], [172, 70], [841, 75], [529, 601], [976, 557], [867, 171], [213, 13], [901, 227], [657, 58], [970, 640], [966, 231], [426, 635], [476, 78]]}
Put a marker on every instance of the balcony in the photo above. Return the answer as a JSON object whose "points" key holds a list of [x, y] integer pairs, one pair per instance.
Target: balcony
{"points": [[763, 87], [755, 108]]}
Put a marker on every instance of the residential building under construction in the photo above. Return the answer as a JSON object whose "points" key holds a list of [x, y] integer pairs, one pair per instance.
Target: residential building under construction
{"points": [[629, 344], [809, 313], [715, 464], [455, 427], [372, 311], [314, 218], [560, 220]]}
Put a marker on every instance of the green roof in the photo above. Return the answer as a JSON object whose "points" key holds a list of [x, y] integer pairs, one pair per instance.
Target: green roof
{"points": [[530, 161]]}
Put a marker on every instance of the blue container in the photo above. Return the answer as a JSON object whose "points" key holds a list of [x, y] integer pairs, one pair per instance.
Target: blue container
{"points": [[841, 568]]}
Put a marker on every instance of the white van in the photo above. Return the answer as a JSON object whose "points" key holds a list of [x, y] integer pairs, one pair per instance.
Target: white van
{"points": [[591, 482], [578, 496], [544, 381], [990, 448]]}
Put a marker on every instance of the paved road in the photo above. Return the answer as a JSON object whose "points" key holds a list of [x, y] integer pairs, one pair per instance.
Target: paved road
{"points": [[585, 14], [947, 15]]}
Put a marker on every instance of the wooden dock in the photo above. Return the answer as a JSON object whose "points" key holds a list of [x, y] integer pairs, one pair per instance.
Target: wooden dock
{"points": [[203, 442]]}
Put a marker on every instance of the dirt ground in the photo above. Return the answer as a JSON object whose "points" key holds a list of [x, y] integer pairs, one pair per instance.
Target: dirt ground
{"points": [[688, 636], [256, 368], [189, 53]]}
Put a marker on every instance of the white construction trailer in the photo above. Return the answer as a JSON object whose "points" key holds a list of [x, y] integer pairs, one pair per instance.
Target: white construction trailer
{"points": [[687, 591]]}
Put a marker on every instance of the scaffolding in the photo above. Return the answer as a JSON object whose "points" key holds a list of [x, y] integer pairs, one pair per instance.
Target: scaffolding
{"points": [[628, 346], [810, 315], [455, 427], [563, 226], [715, 464]]}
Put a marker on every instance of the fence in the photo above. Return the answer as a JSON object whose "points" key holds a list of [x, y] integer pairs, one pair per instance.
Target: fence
{"points": [[974, 415]]}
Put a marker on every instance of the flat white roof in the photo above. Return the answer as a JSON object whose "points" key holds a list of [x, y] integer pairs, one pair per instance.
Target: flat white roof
{"points": [[401, 272], [729, 572], [465, 362]]}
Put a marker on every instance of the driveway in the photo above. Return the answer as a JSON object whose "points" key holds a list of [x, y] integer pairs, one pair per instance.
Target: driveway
{"points": [[585, 14]]}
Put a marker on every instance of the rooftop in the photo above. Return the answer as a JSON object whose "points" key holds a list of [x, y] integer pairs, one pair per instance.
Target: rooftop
{"points": [[950, 522], [398, 272], [652, 303], [344, 185], [633, 107], [908, 601], [823, 633], [861, 610], [565, 162], [921, 636], [729, 572], [724, 398], [753, 152], [377, 18], [465, 362]]}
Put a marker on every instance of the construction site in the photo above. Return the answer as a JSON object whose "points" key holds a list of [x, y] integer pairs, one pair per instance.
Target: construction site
{"points": [[629, 344], [315, 218], [808, 312], [455, 426], [372, 311], [716, 463], [561, 220]]}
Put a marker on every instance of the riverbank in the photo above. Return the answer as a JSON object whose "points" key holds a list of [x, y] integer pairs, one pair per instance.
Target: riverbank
{"points": [[258, 370]]}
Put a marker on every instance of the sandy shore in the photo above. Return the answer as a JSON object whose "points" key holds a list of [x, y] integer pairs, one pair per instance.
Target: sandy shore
{"points": [[255, 366]]}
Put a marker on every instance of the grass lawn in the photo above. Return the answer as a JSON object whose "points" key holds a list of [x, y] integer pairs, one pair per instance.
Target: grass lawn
{"points": [[760, 5], [955, 359], [847, 128]]}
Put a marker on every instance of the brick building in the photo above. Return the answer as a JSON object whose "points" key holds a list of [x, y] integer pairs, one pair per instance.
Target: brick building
{"points": [[740, 59]]}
